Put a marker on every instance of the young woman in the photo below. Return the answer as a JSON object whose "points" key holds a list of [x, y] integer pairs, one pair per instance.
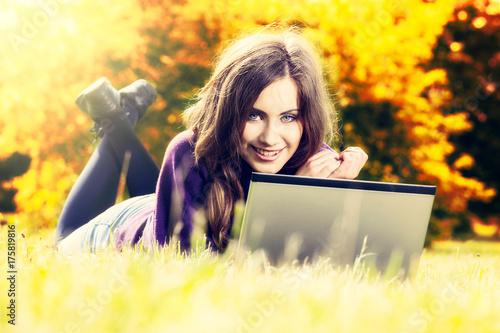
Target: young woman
{"points": [[264, 109]]}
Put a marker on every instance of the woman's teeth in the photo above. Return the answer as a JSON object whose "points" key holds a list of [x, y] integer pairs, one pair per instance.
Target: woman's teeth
{"points": [[266, 152]]}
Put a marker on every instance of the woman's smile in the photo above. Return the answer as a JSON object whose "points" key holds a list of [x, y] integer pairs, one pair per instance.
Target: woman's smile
{"points": [[267, 155]]}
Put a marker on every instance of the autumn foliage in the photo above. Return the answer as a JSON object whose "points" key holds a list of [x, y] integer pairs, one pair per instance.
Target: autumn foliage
{"points": [[374, 55]]}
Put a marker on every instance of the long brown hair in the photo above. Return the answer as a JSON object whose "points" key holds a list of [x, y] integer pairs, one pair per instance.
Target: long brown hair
{"points": [[242, 71]]}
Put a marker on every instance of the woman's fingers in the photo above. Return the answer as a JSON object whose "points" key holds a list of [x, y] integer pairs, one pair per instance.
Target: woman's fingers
{"points": [[320, 165], [327, 163], [353, 159]]}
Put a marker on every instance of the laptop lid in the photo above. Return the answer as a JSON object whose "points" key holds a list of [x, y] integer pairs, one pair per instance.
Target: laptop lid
{"points": [[306, 217]]}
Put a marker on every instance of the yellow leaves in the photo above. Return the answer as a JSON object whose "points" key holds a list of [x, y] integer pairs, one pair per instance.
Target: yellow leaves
{"points": [[435, 76], [42, 191], [489, 193], [435, 152], [360, 74], [437, 169], [419, 131], [453, 187], [493, 8], [465, 161], [382, 92], [457, 122], [483, 230]]}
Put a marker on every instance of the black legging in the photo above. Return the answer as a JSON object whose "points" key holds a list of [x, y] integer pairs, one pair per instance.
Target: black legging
{"points": [[95, 190]]}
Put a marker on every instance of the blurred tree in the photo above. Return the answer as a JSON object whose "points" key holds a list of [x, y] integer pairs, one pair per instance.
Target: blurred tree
{"points": [[177, 51], [469, 51], [13, 166], [52, 50], [373, 51]]}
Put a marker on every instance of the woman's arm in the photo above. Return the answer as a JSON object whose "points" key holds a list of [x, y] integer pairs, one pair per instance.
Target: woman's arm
{"points": [[179, 193]]}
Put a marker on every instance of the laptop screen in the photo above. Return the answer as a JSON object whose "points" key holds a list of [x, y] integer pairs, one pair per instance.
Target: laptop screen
{"points": [[292, 217]]}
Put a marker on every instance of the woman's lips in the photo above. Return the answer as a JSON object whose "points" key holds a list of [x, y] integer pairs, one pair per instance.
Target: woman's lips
{"points": [[267, 155]]}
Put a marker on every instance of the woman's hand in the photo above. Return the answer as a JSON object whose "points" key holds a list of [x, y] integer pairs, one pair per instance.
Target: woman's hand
{"points": [[353, 159], [321, 164], [330, 164]]}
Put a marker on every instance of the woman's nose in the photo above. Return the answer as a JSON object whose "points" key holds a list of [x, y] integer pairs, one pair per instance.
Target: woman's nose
{"points": [[270, 135]]}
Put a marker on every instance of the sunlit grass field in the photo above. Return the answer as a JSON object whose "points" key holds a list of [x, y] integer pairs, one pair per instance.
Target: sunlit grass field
{"points": [[457, 289]]}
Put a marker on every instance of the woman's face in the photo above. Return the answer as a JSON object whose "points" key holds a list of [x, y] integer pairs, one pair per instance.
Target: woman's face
{"points": [[274, 127]]}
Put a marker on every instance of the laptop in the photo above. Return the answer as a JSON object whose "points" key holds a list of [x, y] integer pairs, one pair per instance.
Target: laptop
{"points": [[306, 218]]}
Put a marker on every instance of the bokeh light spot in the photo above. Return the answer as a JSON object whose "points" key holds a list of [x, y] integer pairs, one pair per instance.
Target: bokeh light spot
{"points": [[171, 118], [456, 46], [479, 22], [462, 15]]}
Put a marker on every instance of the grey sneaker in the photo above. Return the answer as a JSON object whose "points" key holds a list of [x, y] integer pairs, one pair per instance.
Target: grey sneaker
{"points": [[139, 95], [100, 100]]}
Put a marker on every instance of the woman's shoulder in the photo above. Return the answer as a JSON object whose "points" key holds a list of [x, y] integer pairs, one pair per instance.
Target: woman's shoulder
{"points": [[180, 153], [180, 147], [182, 141]]}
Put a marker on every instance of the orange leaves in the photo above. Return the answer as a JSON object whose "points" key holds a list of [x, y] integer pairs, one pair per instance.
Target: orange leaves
{"points": [[432, 77], [186, 57], [159, 104], [483, 229], [465, 161], [457, 122], [168, 61], [455, 189]]}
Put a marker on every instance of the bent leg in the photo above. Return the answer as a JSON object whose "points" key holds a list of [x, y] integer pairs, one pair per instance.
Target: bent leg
{"points": [[93, 192], [143, 172], [96, 188]]}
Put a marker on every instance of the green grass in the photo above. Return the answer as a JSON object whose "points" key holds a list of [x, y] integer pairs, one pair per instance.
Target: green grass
{"points": [[457, 289]]}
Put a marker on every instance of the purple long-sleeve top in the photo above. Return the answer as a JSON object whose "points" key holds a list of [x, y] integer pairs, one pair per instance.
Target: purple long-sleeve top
{"points": [[180, 191]]}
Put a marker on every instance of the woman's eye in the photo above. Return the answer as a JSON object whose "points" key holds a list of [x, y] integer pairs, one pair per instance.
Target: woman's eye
{"points": [[253, 116], [288, 118]]}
